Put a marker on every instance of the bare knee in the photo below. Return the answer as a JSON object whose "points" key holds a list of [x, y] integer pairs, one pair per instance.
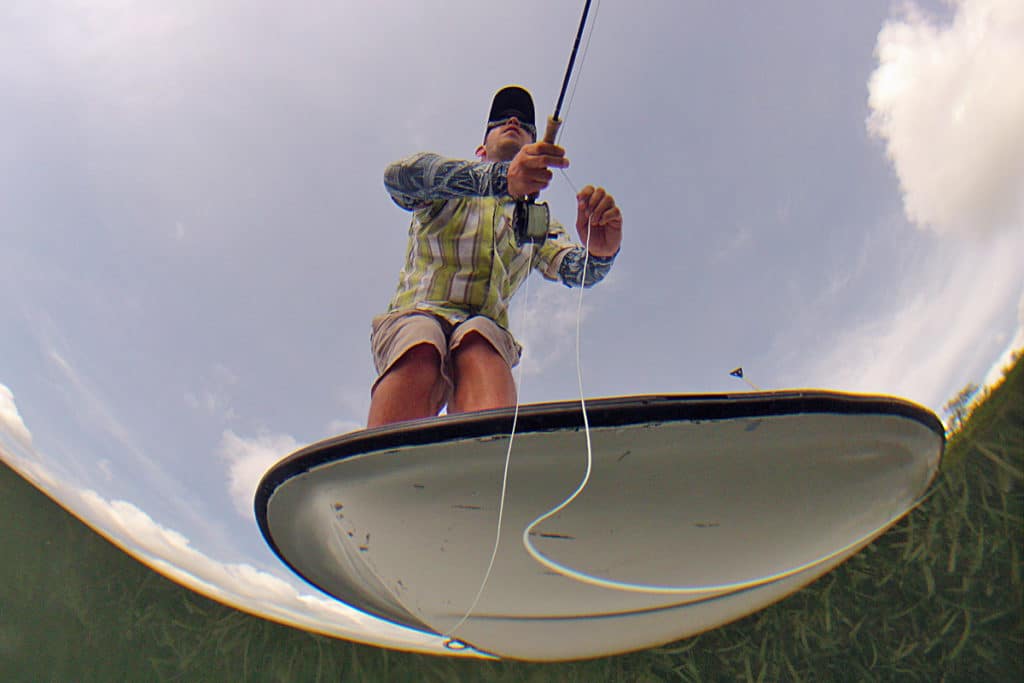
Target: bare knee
{"points": [[482, 377], [412, 388], [475, 350], [419, 368]]}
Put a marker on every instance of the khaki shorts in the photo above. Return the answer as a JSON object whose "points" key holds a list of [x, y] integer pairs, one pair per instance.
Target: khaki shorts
{"points": [[395, 333]]}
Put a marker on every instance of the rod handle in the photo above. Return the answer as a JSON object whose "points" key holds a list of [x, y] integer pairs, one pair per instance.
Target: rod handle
{"points": [[551, 132]]}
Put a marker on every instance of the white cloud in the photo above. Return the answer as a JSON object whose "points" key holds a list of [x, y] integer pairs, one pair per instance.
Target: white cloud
{"points": [[343, 426], [16, 447], [741, 239], [95, 408], [545, 324], [248, 460], [947, 101], [353, 404], [940, 331], [106, 468], [995, 373], [10, 420], [212, 403], [215, 398]]}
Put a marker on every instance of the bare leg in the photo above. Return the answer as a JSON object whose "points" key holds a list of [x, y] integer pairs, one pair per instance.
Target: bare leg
{"points": [[482, 377], [411, 389]]}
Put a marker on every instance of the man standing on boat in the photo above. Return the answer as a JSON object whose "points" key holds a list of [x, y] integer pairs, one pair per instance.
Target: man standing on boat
{"points": [[444, 339]]}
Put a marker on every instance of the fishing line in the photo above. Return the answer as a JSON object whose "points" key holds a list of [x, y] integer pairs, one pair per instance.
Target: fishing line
{"points": [[527, 543], [624, 586], [716, 589], [554, 123], [579, 75], [451, 644]]}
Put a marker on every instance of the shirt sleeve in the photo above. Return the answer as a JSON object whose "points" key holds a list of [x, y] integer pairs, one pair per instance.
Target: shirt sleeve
{"points": [[571, 270], [421, 179], [561, 259]]}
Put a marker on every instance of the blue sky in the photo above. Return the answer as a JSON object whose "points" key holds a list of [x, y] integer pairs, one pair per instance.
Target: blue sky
{"points": [[196, 234]]}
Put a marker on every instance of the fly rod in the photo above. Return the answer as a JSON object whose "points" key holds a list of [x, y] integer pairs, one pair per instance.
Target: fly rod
{"points": [[531, 218], [551, 131]]}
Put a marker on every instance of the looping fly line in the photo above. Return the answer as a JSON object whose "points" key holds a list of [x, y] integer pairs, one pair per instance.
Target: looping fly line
{"points": [[549, 136]]}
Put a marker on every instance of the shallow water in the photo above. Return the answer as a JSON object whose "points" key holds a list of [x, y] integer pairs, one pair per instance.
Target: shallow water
{"points": [[913, 606]]}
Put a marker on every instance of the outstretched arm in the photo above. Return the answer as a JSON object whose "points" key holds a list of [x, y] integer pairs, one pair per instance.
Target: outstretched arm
{"points": [[418, 180]]}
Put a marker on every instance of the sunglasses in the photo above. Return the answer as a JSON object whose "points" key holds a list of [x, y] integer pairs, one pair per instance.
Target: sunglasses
{"points": [[528, 127]]}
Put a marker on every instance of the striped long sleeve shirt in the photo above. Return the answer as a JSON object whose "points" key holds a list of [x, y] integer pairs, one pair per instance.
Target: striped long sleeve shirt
{"points": [[462, 258]]}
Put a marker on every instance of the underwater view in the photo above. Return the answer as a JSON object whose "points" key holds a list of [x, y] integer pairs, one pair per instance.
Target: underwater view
{"points": [[940, 597]]}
